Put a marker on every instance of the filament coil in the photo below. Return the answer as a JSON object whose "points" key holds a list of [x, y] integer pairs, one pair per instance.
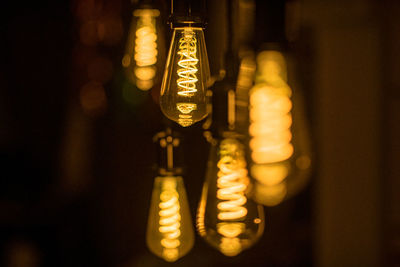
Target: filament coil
{"points": [[170, 221], [232, 183], [187, 63], [270, 127], [141, 57], [146, 45]]}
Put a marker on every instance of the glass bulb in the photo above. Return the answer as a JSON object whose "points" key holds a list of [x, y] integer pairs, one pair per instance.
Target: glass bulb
{"points": [[279, 140], [142, 49], [227, 219], [183, 96], [170, 232]]}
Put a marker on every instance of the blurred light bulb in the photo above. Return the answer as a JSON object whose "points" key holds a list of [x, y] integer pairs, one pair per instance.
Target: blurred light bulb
{"points": [[170, 232], [183, 92], [141, 53], [276, 147], [226, 218]]}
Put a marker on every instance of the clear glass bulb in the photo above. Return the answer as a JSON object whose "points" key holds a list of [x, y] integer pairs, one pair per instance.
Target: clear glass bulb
{"points": [[170, 232], [142, 49], [279, 143], [227, 219], [183, 96]]}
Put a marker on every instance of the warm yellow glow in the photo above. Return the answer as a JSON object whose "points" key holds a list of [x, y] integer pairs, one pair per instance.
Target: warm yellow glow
{"points": [[270, 124], [272, 67], [170, 220], [232, 183], [142, 58], [257, 220], [270, 195], [169, 231], [230, 244], [185, 118], [145, 73], [186, 108], [185, 77], [270, 106], [270, 174], [145, 44], [188, 61], [270, 188], [227, 219], [270, 129]]}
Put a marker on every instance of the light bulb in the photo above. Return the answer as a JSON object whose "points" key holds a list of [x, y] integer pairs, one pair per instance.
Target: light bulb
{"points": [[227, 219], [170, 232], [183, 96], [142, 49], [279, 149]]}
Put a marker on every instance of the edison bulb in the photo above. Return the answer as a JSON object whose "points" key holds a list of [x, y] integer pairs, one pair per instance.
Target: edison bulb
{"points": [[142, 49], [170, 232], [227, 219], [279, 143], [183, 96]]}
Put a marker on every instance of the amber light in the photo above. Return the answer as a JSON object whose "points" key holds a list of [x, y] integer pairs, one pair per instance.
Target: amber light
{"points": [[140, 58]]}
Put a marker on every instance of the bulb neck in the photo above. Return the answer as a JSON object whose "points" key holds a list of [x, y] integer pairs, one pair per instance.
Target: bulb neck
{"points": [[273, 46], [271, 52], [143, 4], [188, 13], [224, 97], [168, 153], [223, 108], [166, 173]]}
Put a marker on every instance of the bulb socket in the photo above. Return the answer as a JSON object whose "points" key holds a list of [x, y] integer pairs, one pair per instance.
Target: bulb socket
{"points": [[169, 155], [188, 13], [223, 108]]}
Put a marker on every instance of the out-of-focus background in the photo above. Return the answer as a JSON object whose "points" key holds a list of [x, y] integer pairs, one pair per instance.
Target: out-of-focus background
{"points": [[76, 151]]}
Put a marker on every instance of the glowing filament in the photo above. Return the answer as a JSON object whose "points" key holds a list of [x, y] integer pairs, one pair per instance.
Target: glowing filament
{"points": [[270, 107], [270, 125], [170, 220], [232, 183], [185, 118], [187, 63], [230, 243], [142, 55]]}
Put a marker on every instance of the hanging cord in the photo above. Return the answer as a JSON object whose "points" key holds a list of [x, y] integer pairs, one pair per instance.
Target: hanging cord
{"points": [[188, 12]]}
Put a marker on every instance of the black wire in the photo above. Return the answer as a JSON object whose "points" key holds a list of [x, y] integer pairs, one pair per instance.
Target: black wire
{"points": [[229, 26]]}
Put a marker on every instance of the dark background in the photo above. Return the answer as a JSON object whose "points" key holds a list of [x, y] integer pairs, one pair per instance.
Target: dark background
{"points": [[76, 151]]}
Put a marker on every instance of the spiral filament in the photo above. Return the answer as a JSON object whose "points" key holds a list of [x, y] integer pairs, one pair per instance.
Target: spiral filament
{"points": [[270, 129], [270, 125], [232, 183], [186, 77], [187, 63], [170, 220], [145, 49], [185, 118], [270, 107]]}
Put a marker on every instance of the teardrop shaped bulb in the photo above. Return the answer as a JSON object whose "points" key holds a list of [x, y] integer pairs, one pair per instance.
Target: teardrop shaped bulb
{"points": [[142, 49], [279, 143], [227, 219], [170, 232], [183, 91]]}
